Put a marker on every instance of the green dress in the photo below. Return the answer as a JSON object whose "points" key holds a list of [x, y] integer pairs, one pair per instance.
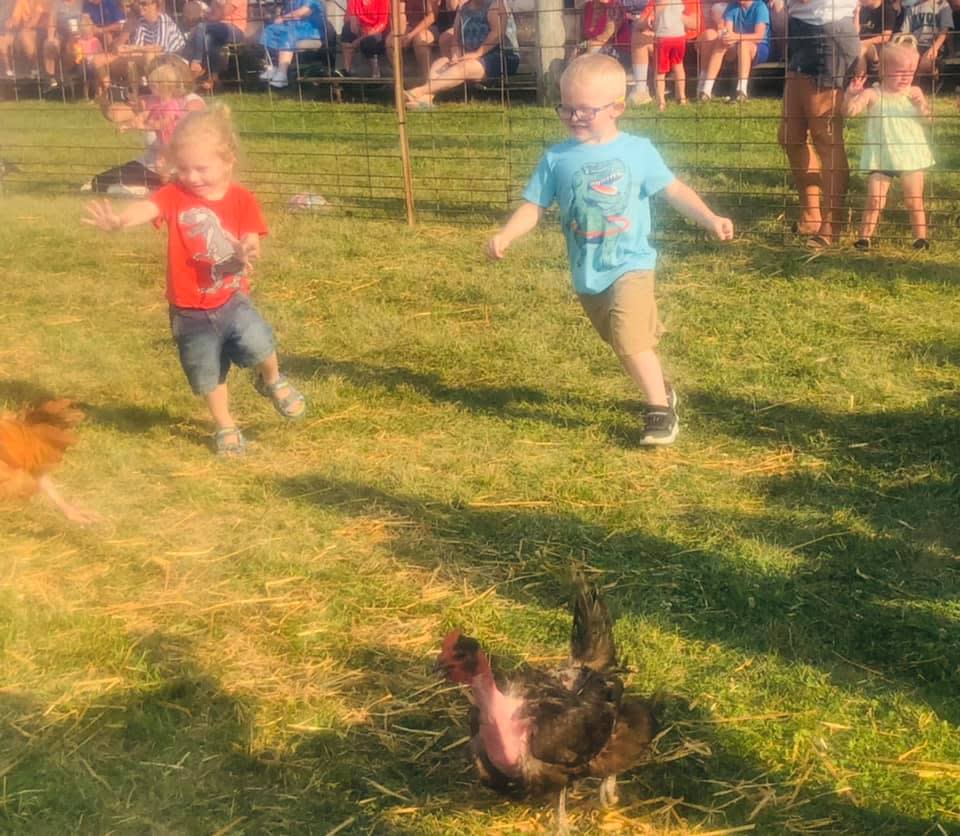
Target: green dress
{"points": [[895, 140]]}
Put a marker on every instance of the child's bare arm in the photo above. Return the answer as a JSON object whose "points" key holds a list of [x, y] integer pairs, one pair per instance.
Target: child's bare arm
{"points": [[101, 214], [689, 204], [521, 222], [919, 101], [856, 99]]}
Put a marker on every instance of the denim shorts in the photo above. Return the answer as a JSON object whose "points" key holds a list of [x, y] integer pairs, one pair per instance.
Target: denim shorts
{"points": [[827, 53], [492, 66], [209, 341]]}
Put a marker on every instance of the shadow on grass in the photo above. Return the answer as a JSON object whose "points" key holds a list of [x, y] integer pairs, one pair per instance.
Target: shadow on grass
{"points": [[619, 419], [177, 756], [869, 628]]}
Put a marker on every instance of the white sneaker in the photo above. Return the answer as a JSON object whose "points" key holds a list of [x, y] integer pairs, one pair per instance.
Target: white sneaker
{"points": [[640, 97], [279, 79], [268, 73]]}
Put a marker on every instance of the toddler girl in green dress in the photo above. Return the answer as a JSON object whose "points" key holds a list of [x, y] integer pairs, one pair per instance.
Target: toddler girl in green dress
{"points": [[895, 142]]}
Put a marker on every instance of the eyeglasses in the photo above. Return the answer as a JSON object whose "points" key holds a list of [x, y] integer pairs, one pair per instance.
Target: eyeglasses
{"points": [[582, 114]]}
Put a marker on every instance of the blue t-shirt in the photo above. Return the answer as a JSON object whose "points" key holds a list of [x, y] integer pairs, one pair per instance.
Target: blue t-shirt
{"points": [[104, 13], [745, 21], [603, 192]]}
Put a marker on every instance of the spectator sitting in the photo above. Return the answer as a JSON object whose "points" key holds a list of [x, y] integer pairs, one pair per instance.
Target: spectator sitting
{"points": [[155, 33], [107, 17], [301, 20], [878, 20], [929, 21], [746, 28], [364, 28], [486, 48], [603, 28], [6, 40], [26, 26], [64, 22], [424, 24], [224, 24], [669, 47]]}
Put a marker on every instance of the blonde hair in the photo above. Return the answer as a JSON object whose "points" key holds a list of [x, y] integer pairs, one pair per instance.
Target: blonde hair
{"points": [[169, 78], [900, 54], [212, 128], [596, 70]]}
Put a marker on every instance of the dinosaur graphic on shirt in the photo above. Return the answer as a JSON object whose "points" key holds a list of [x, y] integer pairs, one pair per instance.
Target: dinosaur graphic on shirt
{"points": [[599, 197], [220, 250]]}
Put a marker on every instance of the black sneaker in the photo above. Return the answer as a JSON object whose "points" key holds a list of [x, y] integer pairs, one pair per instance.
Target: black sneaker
{"points": [[921, 244], [660, 426], [862, 244]]}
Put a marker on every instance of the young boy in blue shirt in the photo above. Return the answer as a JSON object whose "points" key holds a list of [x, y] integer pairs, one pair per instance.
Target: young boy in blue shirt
{"points": [[602, 180]]}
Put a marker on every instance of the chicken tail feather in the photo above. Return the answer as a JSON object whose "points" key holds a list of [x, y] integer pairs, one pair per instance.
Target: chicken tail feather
{"points": [[591, 639]]}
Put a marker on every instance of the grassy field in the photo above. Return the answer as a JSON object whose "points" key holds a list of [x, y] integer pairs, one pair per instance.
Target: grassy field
{"points": [[246, 647]]}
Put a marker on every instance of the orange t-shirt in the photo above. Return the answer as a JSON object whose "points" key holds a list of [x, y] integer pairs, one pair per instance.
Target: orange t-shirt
{"points": [[203, 267]]}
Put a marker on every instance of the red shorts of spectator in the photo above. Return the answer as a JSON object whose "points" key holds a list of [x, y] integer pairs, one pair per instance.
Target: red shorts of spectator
{"points": [[669, 53]]}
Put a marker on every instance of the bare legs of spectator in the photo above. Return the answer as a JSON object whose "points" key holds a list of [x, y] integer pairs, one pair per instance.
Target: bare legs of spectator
{"points": [[445, 74], [6, 55], [348, 50], [811, 134], [27, 40], [679, 79], [51, 56], [715, 51], [422, 44], [641, 55]]}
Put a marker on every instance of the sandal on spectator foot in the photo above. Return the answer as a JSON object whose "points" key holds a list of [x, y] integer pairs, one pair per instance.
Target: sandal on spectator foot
{"points": [[290, 405], [229, 442]]}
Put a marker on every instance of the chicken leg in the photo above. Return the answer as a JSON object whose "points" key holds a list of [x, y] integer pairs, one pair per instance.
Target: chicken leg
{"points": [[608, 792], [563, 825]]}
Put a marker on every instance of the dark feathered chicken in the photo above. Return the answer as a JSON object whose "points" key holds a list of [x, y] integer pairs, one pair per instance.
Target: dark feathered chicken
{"points": [[539, 730]]}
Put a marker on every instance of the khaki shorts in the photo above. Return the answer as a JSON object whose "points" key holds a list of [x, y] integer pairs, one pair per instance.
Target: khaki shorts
{"points": [[625, 314]]}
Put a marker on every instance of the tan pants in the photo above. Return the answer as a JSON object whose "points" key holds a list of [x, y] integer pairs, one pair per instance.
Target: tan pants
{"points": [[811, 133]]}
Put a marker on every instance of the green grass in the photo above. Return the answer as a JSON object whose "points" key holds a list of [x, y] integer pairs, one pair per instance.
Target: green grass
{"points": [[246, 647]]}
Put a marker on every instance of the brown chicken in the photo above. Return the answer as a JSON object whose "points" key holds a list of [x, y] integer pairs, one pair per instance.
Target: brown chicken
{"points": [[539, 730], [32, 442]]}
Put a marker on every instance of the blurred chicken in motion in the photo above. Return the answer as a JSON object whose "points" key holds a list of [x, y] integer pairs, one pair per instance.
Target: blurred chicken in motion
{"points": [[32, 443]]}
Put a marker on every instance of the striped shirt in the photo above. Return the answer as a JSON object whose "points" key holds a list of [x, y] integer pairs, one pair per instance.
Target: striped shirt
{"points": [[163, 32]]}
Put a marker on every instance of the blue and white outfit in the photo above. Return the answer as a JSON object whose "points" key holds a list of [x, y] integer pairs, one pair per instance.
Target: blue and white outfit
{"points": [[286, 35]]}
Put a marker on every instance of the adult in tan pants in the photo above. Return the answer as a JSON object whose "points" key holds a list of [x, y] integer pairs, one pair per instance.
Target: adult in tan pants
{"points": [[822, 50]]}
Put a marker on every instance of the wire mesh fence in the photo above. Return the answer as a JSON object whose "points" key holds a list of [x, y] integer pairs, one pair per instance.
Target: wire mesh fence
{"points": [[320, 139]]}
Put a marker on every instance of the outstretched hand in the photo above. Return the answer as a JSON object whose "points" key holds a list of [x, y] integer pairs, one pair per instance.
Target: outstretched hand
{"points": [[101, 215]]}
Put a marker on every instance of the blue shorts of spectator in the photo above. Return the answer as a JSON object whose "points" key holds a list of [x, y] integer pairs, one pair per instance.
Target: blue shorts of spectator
{"points": [[206, 41], [209, 341], [498, 62]]}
